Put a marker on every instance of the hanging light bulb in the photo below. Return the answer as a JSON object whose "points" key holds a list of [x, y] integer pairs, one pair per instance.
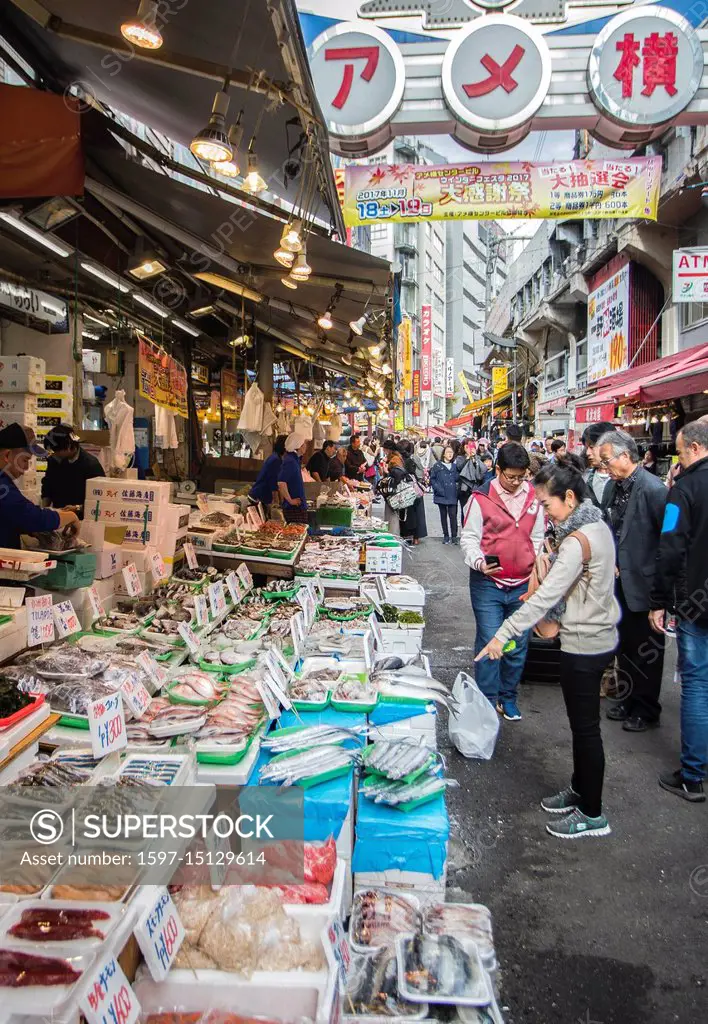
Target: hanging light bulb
{"points": [[325, 321], [253, 183], [141, 30], [385, 368], [375, 349], [289, 283], [279, 408], [230, 168], [301, 268], [292, 237], [212, 143], [654, 419], [357, 326], [665, 418], [284, 257]]}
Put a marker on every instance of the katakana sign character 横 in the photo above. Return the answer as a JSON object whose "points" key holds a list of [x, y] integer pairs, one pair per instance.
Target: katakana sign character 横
{"points": [[499, 74], [350, 53]]}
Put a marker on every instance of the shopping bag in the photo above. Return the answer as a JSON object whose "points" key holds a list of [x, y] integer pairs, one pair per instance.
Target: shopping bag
{"points": [[473, 729]]}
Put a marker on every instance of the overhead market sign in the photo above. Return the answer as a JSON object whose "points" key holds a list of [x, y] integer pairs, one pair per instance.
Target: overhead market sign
{"points": [[579, 190], [500, 77], [690, 282]]}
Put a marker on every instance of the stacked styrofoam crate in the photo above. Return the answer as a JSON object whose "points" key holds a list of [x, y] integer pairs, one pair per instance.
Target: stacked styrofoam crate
{"points": [[144, 510], [21, 382], [55, 404], [81, 601]]}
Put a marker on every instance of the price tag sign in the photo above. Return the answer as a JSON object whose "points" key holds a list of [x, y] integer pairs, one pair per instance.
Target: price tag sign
{"points": [[271, 705], [190, 555], [189, 636], [149, 665], [65, 619], [369, 649], [278, 656], [202, 503], [376, 630], [252, 518], [297, 632], [337, 949], [160, 933], [201, 610], [109, 997], [107, 725], [136, 697], [233, 582], [132, 580], [96, 603], [275, 680], [217, 598], [40, 620], [157, 566], [245, 574]]}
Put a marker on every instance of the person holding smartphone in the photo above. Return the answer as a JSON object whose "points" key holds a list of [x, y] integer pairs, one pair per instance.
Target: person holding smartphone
{"points": [[502, 533]]}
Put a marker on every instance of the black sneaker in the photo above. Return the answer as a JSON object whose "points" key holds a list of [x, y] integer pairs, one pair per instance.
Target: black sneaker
{"points": [[618, 713], [635, 723], [674, 782]]}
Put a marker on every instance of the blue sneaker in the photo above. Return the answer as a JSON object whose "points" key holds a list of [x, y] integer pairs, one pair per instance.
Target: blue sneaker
{"points": [[509, 710]]}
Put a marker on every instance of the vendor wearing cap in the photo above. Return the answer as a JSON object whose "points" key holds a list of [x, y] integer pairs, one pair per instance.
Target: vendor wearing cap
{"points": [[18, 514], [68, 469], [290, 483]]}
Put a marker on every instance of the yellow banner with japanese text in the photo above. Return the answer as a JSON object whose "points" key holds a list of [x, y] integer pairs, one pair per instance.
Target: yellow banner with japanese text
{"points": [[161, 379], [500, 377]]}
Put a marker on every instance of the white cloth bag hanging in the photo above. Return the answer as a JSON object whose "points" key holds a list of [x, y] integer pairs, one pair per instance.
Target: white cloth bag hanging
{"points": [[119, 416], [334, 430], [251, 418]]}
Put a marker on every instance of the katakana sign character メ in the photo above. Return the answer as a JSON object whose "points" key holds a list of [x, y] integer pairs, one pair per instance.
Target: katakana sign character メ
{"points": [[499, 74], [628, 46], [659, 54], [349, 53]]}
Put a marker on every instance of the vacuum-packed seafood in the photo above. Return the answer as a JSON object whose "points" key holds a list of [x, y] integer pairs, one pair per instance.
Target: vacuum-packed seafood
{"points": [[311, 736], [58, 925], [372, 987], [299, 767], [378, 917], [397, 758], [438, 968], [20, 970]]}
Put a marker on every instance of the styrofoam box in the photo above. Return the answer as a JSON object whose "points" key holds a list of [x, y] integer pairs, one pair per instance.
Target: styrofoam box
{"points": [[59, 383], [54, 401], [25, 419], [302, 992], [23, 405], [12, 643], [27, 383], [411, 598], [22, 364], [403, 642], [419, 727], [384, 559], [423, 885], [140, 536], [80, 600], [18, 621], [146, 582], [135, 492], [48, 419], [109, 561], [119, 513]]}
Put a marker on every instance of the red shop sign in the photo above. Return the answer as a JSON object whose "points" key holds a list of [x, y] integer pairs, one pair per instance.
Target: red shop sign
{"points": [[595, 413]]}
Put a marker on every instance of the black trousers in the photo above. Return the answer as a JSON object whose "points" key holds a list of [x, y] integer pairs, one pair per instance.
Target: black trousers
{"points": [[641, 662], [463, 499], [448, 513], [580, 678]]}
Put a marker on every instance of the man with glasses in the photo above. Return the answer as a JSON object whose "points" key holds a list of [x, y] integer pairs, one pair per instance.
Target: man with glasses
{"points": [[596, 477], [635, 511], [502, 533]]}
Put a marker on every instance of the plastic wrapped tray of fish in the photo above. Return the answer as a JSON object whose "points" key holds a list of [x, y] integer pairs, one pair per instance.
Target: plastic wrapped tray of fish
{"points": [[466, 920], [402, 760], [297, 738], [379, 915], [306, 768], [353, 692], [404, 796], [156, 769], [372, 992], [441, 969]]}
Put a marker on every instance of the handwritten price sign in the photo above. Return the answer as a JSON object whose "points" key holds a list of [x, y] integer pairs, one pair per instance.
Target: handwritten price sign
{"points": [[190, 555], [157, 567], [245, 574], [217, 598], [189, 636], [155, 671], [107, 725], [201, 610], [135, 696], [40, 620], [109, 999], [66, 619], [234, 584], [132, 580], [160, 933]]}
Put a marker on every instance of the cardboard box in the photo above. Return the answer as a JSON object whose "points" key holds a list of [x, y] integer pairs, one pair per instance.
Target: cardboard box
{"points": [[26, 383], [25, 419], [133, 492], [22, 364], [14, 402]]}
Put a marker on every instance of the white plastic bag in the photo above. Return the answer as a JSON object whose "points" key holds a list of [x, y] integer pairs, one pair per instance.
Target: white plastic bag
{"points": [[473, 730]]}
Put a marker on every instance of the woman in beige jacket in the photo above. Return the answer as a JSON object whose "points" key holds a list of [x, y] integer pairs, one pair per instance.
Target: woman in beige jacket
{"points": [[584, 606]]}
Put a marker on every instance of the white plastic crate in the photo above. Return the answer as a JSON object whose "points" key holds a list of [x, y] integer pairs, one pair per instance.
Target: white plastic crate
{"points": [[405, 642]]}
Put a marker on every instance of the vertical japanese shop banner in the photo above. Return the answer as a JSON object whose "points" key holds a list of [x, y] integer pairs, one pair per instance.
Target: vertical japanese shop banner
{"points": [[416, 394], [500, 379], [608, 326], [426, 350], [449, 377], [405, 330], [438, 373], [161, 379]]}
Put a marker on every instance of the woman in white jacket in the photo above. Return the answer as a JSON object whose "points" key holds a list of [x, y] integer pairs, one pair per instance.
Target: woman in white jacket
{"points": [[581, 599]]}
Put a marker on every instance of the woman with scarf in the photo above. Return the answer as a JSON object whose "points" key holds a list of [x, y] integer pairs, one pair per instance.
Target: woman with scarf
{"points": [[414, 527], [580, 598], [290, 483]]}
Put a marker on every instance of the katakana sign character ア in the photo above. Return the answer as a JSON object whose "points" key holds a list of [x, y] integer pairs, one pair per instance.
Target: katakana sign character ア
{"points": [[499, 74], [628, 46], [659, 54], [349, 53]]}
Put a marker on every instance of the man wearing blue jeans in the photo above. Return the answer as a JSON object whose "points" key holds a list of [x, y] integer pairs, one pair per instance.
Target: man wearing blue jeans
{"points": [[682, 581], [501, 535]]}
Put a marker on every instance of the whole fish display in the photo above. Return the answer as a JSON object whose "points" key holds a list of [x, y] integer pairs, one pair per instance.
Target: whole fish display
{"points": [[386, 791], [298, 767], [378, 916], [312, 736], [372, 987], [396, 759], [438, 968], [196, 686]]}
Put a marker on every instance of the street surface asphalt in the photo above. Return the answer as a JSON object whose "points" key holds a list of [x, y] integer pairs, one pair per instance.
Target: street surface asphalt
{"points": [[591, 931]]}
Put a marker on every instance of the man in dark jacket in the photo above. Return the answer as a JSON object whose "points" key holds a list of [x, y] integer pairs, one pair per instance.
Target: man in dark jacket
{"points": [[598, 480], [635, 512], [355, 465], [318, 466], [69, 469], [682, 582]]}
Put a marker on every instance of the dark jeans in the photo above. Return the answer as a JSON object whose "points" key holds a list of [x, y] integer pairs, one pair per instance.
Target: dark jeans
{"points": [[580, 678], [463, 499], [448, 512], [498, 680], [692, 639], [641, 662]]}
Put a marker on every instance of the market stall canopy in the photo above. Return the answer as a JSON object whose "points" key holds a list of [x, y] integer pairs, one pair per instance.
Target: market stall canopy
{"points": [[257, 46], [683, 373]]}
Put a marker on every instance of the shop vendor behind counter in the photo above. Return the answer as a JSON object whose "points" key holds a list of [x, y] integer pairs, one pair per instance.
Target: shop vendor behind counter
{"points": [[69, 468]]}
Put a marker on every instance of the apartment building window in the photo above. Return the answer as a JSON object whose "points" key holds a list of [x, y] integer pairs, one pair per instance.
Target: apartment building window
{"points": [[428, 263], [439, 336], [378, 232], [467, 348], [438, 304], [437, 243], [437, 273], [581, 356], [693, 313], [428, 295], [555, 368]]}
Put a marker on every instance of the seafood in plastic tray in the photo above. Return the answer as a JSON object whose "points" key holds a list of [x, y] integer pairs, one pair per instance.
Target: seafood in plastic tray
{"points": [[164, 719], [164, 770], [87, 893], [73, 698], [239, 628], [185, 574], [372, 987], [219, 520], [398, 758], [309, 690], [36, 783], [378, 916], [19, 969], [412, 682], [441, 969], [238, 715], [307, 765], [466, 920], [352, 690], [405, 795], [40, 922], [192, 686], [68, 660], [241, 929], [26, 679], [281, 740]]}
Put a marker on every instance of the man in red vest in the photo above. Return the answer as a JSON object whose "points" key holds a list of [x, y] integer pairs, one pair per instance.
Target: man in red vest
{"points": [[502, 533]]}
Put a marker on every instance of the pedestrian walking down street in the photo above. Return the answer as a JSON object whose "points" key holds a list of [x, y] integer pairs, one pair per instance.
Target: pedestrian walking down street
{"points": [[394, 468], [578, 594], [414, 527], [444, 481], [680, 583], [471, 473], [502, 533], [597, 479], [635, 511]]}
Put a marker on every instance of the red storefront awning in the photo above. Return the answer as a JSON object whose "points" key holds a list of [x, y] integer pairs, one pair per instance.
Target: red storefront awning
{"points": [[682, 373]]}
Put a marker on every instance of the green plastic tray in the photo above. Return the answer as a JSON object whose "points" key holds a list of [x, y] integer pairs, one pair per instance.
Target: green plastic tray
{"points": [[225, 759], [280, 595], [410, 777], [334, 516], [314, 780], [74, 722], [227, 670], [282, 556], [312, 705]]}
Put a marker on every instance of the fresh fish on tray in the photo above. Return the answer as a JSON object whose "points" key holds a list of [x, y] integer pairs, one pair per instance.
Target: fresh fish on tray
{"points": [[386, 791], [307, 764], [312, 736], [372, 987], [438, 968], [398, 758], [354, 690], [378, 917], [308, 689]]}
